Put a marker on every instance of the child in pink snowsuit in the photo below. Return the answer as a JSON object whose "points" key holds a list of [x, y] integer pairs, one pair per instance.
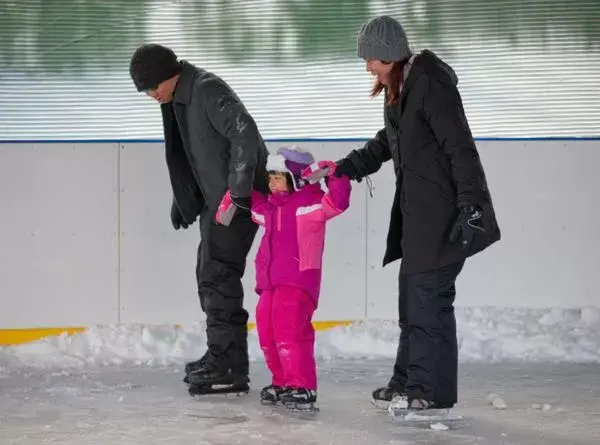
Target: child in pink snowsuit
{"points": [[288, 269]]}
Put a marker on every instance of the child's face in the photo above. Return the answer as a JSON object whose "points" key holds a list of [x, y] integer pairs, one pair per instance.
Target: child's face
{"points": [[278, 182]]}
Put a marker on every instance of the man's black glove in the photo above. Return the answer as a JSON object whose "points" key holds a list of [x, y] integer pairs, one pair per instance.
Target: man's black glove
{"points": [[467, 225], [242, 203], [345, 167], [177, 218]]}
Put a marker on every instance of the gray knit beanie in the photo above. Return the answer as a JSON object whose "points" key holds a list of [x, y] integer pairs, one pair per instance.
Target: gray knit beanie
{"points": [[383, 39]]}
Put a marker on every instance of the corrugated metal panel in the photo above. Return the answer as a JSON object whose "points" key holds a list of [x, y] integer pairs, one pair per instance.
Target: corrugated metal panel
{"points": [[526, 68]]}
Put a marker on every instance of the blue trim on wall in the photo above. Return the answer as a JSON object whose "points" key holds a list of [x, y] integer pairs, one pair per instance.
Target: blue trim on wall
{"points": [[282, 140]]}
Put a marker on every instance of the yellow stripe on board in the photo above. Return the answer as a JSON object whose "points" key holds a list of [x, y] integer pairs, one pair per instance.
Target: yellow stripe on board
{"points": [[11, 337]]}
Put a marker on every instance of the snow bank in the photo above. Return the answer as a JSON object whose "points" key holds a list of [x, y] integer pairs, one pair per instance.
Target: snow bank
{"points": [[486, 334]]}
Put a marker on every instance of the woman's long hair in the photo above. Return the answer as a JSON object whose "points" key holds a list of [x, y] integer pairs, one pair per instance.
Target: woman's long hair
{"points": [[396, 80]]}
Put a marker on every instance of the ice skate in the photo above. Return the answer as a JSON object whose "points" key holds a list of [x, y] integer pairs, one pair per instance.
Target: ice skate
{"points": [[212, 379], [194, 366], [212, 371], [383, 397], [299, 399], [224, 384], [420, 410], [270, 395], [232, 388]]}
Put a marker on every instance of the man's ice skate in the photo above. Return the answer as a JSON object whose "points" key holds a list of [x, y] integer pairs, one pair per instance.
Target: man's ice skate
{"points": [[210, 372], [270, 395], [383, 397], [299, 399], [232, 388], [226, 384], [212, 379], [194, 366]]}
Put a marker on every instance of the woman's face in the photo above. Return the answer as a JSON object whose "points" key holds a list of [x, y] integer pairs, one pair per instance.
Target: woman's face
{"points": [[380, 69]]}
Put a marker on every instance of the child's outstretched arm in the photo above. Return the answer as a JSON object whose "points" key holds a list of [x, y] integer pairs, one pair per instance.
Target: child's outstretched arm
{"points": [[337, 199], [259, 207]]}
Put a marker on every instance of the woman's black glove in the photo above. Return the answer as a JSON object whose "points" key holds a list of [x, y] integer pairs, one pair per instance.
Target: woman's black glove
{"points": [[468, 223], [345, 167]]}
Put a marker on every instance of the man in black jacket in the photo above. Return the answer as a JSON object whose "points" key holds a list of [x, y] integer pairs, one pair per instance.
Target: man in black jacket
{"points": [[442, 210], [212, 146]]}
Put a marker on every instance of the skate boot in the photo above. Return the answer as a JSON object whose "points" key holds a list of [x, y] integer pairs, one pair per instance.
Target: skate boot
{"points": [[424, 405], [270, 395], [193, 366], [421, 410], [385, 396], [299, 399], [214, 379]]}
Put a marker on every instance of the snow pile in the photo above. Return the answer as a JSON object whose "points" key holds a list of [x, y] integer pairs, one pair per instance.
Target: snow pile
{"points": [[494, 334], [496, 401], [487, 334]]}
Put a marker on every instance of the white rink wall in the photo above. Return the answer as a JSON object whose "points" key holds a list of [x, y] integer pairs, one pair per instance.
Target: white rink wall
{"points": [[87, 239]]}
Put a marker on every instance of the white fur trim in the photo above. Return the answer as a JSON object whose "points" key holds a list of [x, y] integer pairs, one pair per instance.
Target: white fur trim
{"points": [[276, 163]]}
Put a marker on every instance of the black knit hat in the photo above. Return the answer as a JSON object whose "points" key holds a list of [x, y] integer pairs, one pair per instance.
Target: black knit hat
{"points": [[152, 64]]}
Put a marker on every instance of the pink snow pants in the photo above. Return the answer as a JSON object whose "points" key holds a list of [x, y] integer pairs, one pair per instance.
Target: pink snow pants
{"points": [[287, 337]]}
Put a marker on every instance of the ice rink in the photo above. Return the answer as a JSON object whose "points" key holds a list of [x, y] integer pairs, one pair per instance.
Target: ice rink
{"points": [[549, 404]]}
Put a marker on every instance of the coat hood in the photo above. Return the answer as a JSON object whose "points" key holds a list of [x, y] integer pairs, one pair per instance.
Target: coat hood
{"points": [[428, 63]]}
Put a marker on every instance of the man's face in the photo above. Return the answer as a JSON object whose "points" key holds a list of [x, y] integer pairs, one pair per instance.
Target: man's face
{"points": [[164, 92]]}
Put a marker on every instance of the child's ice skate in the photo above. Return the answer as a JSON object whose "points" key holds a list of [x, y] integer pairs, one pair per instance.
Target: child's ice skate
{"points": [[299, 399], [270, 395]]}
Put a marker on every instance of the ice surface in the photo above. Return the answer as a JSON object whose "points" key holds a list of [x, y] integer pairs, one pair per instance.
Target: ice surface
{"points": [[150, 406], [486, 335], [122, 385]]}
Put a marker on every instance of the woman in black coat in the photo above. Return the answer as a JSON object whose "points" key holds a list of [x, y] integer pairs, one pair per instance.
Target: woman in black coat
{"points": [[442, 211]]}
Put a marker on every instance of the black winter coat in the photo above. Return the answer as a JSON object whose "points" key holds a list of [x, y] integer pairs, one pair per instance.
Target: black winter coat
{"points": [[437, 169], [212, 143]]}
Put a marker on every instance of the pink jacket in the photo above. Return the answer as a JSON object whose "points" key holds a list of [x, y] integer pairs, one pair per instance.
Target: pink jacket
{"points": [[291, 249]]}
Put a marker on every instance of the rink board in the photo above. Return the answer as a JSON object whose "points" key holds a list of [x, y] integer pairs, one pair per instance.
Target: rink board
{"points": [[10, 337], [87, 240]]}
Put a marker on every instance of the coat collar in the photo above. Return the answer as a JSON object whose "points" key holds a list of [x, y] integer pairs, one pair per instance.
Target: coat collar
{"points": [[185, 85], [410, 77], [305, 194]]}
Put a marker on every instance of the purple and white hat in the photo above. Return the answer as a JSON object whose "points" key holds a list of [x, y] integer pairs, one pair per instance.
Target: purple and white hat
{"points": [[292, 160]]}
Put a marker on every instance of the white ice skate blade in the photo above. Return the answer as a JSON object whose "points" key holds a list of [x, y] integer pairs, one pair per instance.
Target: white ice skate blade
{"points": [[301, 408], [433, 415], [222, 395], [382, 405], [280, 410], [217, 391]]}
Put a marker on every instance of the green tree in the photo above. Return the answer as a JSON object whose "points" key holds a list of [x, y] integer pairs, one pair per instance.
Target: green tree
{"points": [[64, 35], [59, 35]]}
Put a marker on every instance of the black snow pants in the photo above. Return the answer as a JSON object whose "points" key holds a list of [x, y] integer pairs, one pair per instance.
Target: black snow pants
{"points": [[427, 359], [221, 264]]}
